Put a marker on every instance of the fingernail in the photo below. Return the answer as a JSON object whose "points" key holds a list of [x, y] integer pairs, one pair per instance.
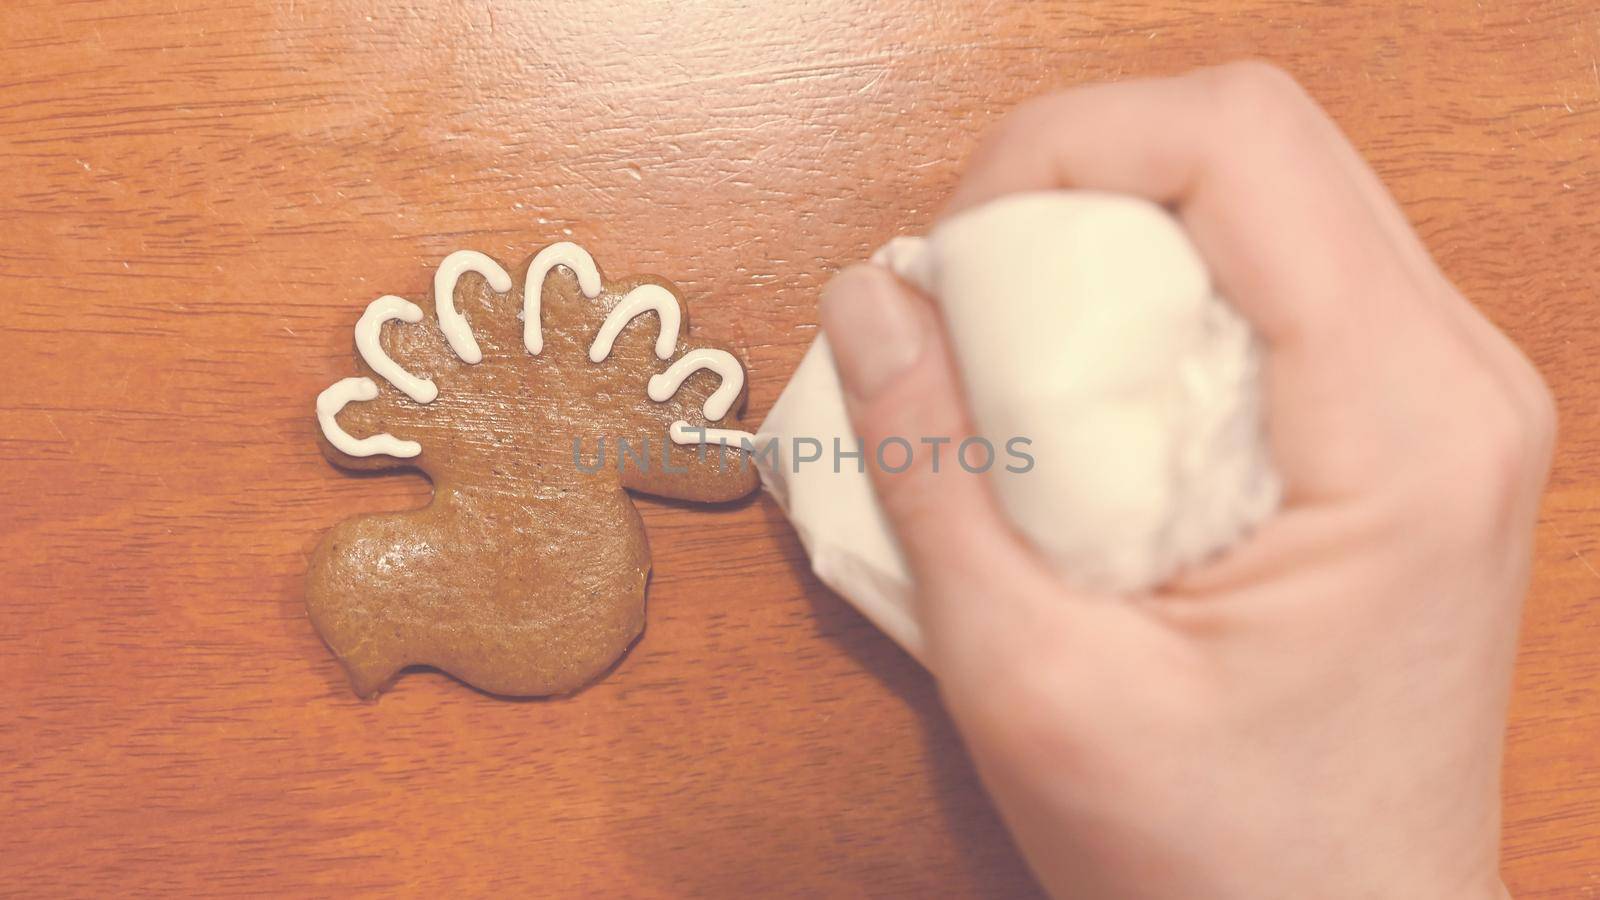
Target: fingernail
{"points": [[875, 327]]}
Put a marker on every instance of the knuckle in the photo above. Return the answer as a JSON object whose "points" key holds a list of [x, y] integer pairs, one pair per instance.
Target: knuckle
{"points": [[1541, 413], [1502, 441], [1491, 455], [907, 496], [1546, 419], [1514, 417], [1017, 127], [1264, 106], [1257, 85], [1531, 406]]}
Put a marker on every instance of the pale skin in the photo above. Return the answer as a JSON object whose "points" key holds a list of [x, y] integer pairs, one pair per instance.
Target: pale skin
{"points": [[1320, 711]]}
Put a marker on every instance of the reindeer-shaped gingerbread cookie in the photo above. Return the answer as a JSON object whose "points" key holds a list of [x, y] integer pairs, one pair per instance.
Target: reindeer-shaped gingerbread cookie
{"points": [[534, 403]]}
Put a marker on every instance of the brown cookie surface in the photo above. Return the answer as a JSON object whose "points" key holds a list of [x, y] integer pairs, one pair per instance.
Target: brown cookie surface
{"points": [[525, 575]]}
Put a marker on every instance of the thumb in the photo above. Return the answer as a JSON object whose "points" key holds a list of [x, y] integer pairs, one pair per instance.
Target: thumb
{"points": [[906, 405]]}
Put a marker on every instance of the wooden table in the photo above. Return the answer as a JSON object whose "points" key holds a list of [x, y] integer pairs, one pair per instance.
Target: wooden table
{"points": [[196, 201]]}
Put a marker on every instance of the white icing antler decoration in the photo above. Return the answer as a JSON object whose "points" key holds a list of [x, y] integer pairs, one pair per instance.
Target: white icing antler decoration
{"points": [[379, 311], [640, 300], [354, 390], [653, 297], [458, 333], [369, 330], [341, 394], [452, 323], [566, 254], [663, 386]]}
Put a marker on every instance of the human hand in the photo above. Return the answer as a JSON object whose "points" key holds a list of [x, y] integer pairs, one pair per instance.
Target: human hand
{"points": [[1318, 712]]}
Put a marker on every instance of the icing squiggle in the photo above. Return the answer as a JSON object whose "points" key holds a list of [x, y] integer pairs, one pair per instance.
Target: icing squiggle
{"points": [[661, 388], [452, 323], [684, 433], [565, 253], [368, 331], [342, 393], [640, 300], [458, 333]]}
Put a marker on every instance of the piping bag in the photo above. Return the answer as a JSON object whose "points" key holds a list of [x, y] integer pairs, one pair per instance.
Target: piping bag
{"points": [[1088, 337]]}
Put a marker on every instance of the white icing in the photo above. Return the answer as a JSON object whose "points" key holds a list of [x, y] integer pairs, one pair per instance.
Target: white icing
{"points": [[663, 386], [684, 433], [458, 332], [368, 331], [566, 254], [352, 390], [452, 323], [642, 299]]}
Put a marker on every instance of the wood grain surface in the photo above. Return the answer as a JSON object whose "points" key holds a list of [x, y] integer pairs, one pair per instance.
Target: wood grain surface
{"points": [[197, 200]]}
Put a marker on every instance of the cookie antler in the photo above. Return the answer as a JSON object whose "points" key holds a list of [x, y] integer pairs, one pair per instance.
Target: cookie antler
{"points": [[368, 333], [458, 334], [342, 393], [564, 253], [454, 325], [642, 299], [336, 397], [661, 388]]}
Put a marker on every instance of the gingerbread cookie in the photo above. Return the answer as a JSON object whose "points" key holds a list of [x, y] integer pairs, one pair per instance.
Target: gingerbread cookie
{"points": [[534, 403]]}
